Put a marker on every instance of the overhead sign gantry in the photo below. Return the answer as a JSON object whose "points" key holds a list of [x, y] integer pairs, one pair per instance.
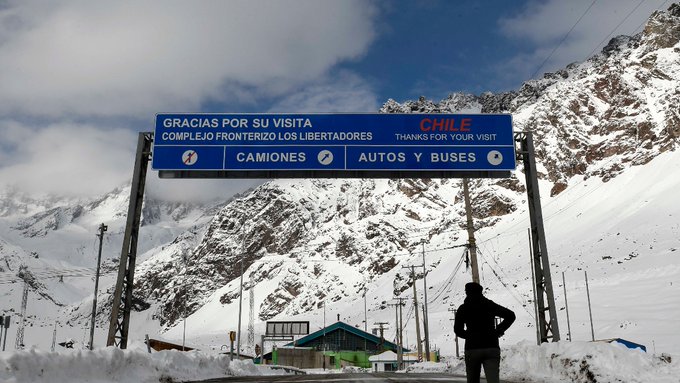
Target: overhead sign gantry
{"points": [[333, 145]]}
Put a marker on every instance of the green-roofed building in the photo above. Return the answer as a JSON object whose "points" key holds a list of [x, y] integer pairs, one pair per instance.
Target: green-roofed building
{"points": [[335, 346]]}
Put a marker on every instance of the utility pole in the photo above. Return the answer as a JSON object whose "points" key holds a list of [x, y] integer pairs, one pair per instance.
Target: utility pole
{"points": [[401, 332], [7, 323], [566, 306], [545, 298], [186, 297], [415, 306], [25, 275], [240, 304], [426, 325], [381, 326], [122, 295], [6, 326], [54, 337], [102, 229], [251, 318], [590, 310], [451, 309], [472, 245], [533, 281], [324, 334], [396, 336], [365, 318]]}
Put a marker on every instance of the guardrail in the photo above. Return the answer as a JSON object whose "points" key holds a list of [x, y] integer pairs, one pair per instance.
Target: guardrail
{"points": [[294, 370]]}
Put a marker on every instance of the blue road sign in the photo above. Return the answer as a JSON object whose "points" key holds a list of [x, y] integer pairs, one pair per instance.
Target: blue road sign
{"points": [[334, 142]]}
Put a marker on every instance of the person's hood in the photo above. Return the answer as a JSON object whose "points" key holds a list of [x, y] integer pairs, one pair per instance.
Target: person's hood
{"points": [[474, 298]]}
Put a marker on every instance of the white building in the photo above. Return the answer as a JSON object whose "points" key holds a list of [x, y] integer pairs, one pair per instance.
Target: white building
{"points": [[387, 361]]}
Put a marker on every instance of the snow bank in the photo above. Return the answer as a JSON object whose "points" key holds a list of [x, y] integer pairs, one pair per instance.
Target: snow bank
{"points": [[114, 365], [572, 362], [585, 362]]}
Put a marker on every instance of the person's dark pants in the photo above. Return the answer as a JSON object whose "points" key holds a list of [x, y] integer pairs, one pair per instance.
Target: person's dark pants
{"points": [[490, 358]]}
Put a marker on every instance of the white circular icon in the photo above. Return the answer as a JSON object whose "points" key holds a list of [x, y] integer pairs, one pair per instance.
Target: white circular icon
{"points": [[325, 157], [494, 157], [189, 157]]}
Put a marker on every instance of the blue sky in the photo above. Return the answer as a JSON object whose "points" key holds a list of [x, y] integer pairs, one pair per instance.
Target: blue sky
{"points": [[80, 78]]}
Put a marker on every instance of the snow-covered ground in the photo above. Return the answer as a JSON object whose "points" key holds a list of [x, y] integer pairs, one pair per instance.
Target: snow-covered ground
{"points": [[548, 363], [574, 362], [111, 364]]}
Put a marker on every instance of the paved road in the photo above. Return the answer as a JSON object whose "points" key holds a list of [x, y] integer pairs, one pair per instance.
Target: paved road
{"points": [[345, 378]]}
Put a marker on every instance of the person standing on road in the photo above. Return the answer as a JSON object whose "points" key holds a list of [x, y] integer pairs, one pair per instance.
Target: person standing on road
{"points": [[475, 322]]}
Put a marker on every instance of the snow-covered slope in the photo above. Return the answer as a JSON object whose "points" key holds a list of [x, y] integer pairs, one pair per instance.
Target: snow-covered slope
{"points": [[55, 238]]}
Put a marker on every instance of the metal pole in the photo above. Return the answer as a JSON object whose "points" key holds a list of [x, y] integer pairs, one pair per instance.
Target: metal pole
{"points": [[184, 329], [7, 323], [262, 351], [365, 319], [533, 281], [415, 305], [544, 290], [324, 335], [240, 304], [471, 232], [426, 324], [186, 296], [396, 326], [102, 229], [590, 311], [122, 296], [401, 333], [54, 337], [566, 306], [457, 348]]}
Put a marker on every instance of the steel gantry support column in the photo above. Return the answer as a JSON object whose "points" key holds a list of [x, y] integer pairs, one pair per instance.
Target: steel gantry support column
{"points": [[545, 299], [122, 296]]}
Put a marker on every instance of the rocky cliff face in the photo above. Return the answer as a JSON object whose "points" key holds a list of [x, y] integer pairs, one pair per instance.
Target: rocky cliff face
{"points": [[322, 239]]}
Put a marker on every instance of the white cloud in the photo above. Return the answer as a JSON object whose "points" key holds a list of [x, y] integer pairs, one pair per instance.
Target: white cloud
{"points": [[345, 92], [65, 159], [543, 24], [128, 58], [83, 60], [198, 190]]}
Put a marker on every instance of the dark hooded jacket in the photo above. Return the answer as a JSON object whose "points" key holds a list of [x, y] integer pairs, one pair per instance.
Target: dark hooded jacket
{"points": [[475, 321]]}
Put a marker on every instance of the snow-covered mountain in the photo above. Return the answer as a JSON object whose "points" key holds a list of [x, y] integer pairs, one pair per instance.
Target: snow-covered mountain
{"points": [[606, 132], [55, 238]]}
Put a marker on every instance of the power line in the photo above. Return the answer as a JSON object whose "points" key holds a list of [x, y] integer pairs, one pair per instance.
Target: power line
{"points": [[615, 28], [645, 20], [512, 294], [10, 277], [563, 39], [445, 288]]}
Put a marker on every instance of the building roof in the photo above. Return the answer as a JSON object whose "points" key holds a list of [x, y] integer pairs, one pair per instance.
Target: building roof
{"points": [[344, 326]]}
